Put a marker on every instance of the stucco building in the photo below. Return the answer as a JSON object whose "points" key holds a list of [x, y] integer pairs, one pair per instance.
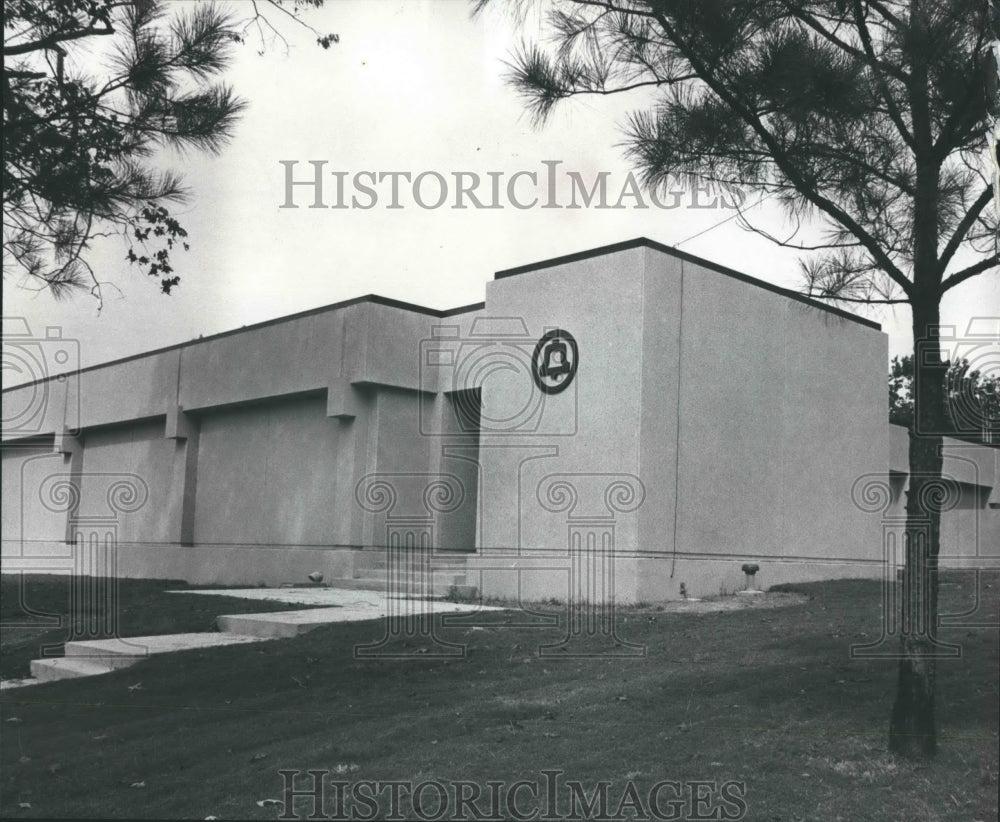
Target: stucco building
{"points": [[615, 423]]}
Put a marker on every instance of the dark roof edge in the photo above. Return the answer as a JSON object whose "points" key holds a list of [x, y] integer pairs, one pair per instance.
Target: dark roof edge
{"points": [[463, 309], [368, 298], [644, 242]]}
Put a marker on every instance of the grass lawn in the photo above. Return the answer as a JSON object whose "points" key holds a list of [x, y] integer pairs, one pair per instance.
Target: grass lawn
{"points": [[769, 698]]}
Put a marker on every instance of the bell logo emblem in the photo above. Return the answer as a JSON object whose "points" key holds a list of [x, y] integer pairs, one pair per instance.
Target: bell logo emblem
{"points": [[553, 365]]}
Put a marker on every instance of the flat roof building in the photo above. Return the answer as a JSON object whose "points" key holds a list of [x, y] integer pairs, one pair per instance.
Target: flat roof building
{"points": [[607, 425]]}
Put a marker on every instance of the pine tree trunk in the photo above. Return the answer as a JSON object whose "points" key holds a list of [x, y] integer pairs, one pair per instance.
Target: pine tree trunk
{"points": [[912, 729]]}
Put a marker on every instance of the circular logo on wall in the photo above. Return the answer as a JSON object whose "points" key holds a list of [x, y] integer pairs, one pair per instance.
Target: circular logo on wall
{"points": [[553, 365]]}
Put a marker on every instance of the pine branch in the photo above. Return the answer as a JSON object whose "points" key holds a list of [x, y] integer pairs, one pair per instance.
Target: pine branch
{"points": [[958, 277], [962, 229], [52, 41], [781, 158]]}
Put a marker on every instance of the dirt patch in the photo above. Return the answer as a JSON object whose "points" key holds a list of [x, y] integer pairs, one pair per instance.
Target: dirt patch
{"points": [[708, 605], [737, 602]]}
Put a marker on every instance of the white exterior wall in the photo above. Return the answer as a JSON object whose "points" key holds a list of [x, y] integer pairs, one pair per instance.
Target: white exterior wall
{"points": [[702, 430]]}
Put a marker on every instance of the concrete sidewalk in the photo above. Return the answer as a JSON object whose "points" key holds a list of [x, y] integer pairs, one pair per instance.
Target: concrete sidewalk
{"points": [[344, 606], [94, 657]]}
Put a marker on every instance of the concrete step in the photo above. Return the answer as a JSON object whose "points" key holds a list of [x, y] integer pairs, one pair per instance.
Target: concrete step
{"points": [[120, 653], [91, 657], [111, 653], [280, 624], [286, 624], [17, 683], [49, 670]]}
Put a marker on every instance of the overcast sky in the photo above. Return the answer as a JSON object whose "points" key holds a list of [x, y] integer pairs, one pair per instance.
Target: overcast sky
{"points": [[411, 87]]}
